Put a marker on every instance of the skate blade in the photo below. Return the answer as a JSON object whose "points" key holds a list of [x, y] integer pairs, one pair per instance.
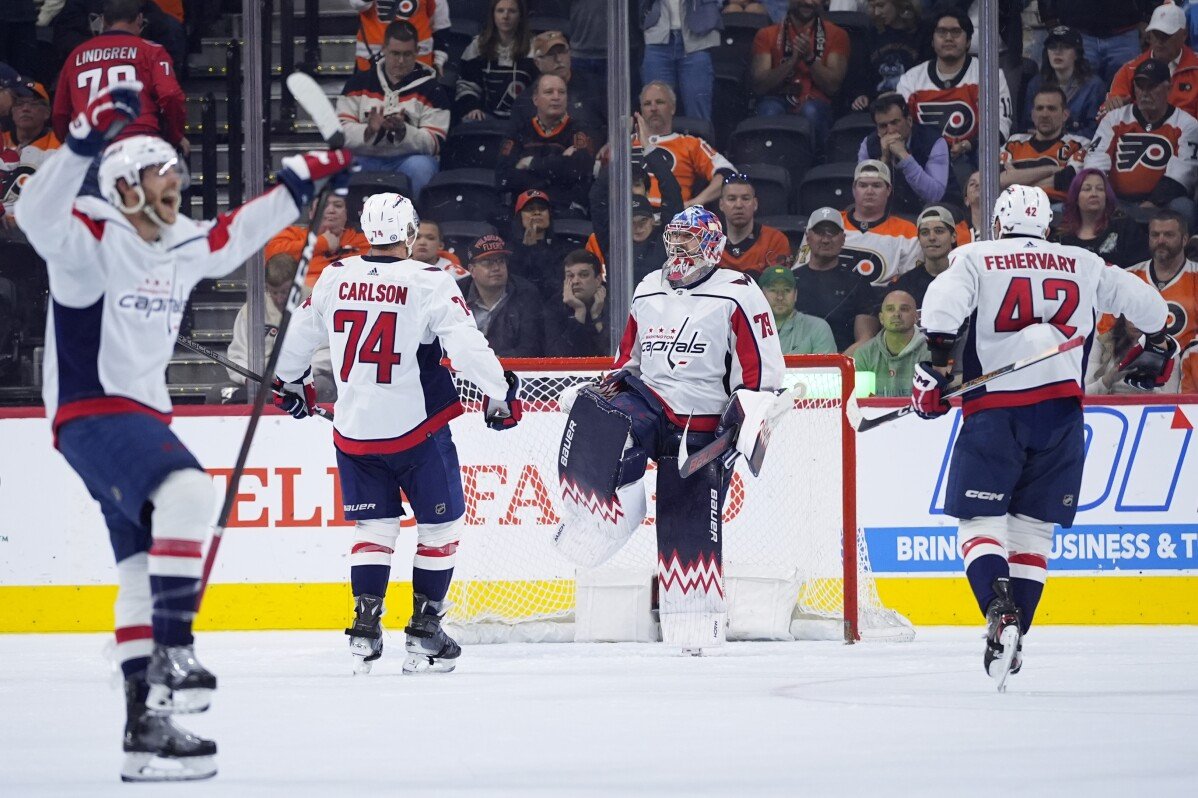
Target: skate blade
{"points": [[362, 666], [178, 702], [422, 663], [692, 652], [1000, 669], [150, 767]]}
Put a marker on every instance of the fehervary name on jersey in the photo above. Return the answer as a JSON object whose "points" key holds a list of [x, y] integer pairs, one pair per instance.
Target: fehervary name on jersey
{"points": [[374, 292], [1031, 260]]}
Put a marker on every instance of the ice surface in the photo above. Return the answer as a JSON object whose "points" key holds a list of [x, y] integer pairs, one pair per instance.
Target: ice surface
{"points": [[1096, 711]]}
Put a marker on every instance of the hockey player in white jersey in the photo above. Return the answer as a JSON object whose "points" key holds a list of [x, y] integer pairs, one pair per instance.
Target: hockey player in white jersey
{"points": [[1017, 463], [699, 346], [389, 321], [121, 269]]}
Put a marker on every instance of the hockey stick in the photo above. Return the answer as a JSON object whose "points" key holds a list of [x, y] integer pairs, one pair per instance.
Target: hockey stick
{"points": [[862, 424], [690, 463], [220, 359]]}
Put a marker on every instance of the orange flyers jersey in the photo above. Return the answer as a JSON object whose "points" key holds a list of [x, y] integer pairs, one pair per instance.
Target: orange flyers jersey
{"points": [[1189, 369], [951, 106], [426, 16], [1137, 154], [1024, 151], [693, 162], [763, 248], [1180, 294]]}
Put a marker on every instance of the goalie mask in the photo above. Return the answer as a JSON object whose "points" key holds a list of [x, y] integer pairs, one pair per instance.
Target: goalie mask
{"points": [[127, 160], [1022, 210], [694, 244], [389, 219]]}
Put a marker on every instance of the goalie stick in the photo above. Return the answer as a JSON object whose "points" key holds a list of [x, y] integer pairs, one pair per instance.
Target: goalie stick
{"points": [[862, 424], [690, 463]]}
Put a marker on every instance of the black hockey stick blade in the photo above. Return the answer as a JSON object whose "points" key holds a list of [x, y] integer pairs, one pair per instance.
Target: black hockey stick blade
{"points": [[710, 452], [866, 424]]}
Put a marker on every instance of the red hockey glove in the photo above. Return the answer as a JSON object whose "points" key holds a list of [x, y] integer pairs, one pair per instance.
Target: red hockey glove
{"points": [[105, 117], [302, 173], [1149, 365], [296, 398], [927, 387], [504, 414]]}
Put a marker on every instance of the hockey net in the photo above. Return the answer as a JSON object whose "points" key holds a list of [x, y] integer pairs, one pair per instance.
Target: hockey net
{"points": [[791, 525]]}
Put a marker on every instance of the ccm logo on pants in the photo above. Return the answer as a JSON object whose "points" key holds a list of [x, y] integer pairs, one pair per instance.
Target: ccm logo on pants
{"points": [[984, 495]]}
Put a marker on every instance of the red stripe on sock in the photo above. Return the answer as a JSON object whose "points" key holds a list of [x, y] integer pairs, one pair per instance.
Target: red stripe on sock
{"points": [[448, 550], [968, 545], [173, 547], [1036, 560], [370, 548], [127, 634]]}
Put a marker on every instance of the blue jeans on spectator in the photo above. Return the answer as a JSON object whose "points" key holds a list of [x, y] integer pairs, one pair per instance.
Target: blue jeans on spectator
{"points": [[690, 76], [1107, 55], [418, 167], [816, 112]]}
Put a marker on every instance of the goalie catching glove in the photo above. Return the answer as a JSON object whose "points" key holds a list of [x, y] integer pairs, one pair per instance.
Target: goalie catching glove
{"points": [[296, 398], [1149, 365], [927, 391], [504, 414]]}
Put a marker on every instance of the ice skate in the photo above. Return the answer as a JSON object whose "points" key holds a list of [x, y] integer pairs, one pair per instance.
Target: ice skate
{"points": [[158, 750], [366, 635], [178, 682], [1003, 636], [430, 650]]}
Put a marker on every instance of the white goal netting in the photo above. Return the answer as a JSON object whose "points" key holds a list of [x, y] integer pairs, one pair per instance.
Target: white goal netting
{"points": [[787, 525]]}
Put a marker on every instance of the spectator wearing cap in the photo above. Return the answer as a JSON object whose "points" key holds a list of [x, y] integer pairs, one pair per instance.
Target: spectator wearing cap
{"points": [[495, 67], [697, 167], [580, 325], [429, 247], [1166, 42], [1110, 29], [31, 136], [751, 246], [551, 152], [916, 154], [937, 238], [395, 114], [536, 256], [798, 333], [678, 40], [799, 66], [829, 287], [891, 355], [586, 94], [1036, 158], [648, 249], [335, 239], [506, 308], [1064, 64]]}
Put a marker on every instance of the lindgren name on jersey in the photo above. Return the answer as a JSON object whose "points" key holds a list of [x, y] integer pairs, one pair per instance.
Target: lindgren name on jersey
{"points": [[1031, 260]]}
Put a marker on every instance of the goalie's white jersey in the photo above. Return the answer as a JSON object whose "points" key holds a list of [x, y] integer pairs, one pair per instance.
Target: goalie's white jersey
{"points": [[1015, 292], [386, 321], [694, 346]]}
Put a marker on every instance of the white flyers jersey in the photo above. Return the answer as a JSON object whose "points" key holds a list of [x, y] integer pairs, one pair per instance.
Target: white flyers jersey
{"points": [[117, 300], [388, 323], [693, 346], [1014, 291], [952, 106]]}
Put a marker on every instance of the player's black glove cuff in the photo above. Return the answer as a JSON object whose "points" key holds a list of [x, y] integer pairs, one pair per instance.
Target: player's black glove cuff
{"points": [[941, 346]]}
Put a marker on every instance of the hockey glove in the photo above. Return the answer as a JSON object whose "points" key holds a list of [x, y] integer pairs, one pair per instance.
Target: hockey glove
{"points": [[296, 398], [1149, 365], [105, 117], [504, 414], [302, 174], [927, 388], [611, 383]]}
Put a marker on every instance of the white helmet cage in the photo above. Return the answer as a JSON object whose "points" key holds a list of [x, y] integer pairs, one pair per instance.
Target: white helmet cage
{"points": [[127, 159], [1022, 210], [390, 218]]}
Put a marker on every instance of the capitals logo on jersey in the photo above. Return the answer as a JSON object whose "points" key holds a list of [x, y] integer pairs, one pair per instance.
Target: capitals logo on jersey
{"points": [[678, 344], [955, 119]]}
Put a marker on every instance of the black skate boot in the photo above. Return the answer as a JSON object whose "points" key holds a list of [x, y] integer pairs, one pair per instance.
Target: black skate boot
{"points": [[366, 635], [1003, 638], [178, 682], [158, 750], [430, 650]]}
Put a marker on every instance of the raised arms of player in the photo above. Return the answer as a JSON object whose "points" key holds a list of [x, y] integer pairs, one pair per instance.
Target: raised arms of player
{"points": [[65, 238], [757, 362], [450, 319]]}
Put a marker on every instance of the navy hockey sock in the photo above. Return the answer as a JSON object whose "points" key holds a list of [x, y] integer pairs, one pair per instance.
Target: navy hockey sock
{"points": [[369, 580], [1026, 594], [135, 668], [433, 585], [174, 609], [981, 574]]}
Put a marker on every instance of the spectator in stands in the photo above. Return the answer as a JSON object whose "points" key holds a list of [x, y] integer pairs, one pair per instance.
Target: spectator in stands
{"points": [[588, 32], [1172, 273], [551, 152], [937, 238], [1103, 375], [18, 36], [1149, 149], [916, 154], [1036, 158], [428, 18], [1189, 369], [536, 254], [117, 50], [495, 67], [586, 94], [969, 230], [745, 7], [1093, 220], [751, 246], [506, 308], [335, 239], [429, 248], [799, 66], [678, 41], [9, 78], [648, 249], [30, 136], [1167, 43], [1065, 65], [1110, 29], [581, 325], [395, 115], [891, 355], [698, 168], [798, 333], [943, 92], [895, 44], [830, 288]]}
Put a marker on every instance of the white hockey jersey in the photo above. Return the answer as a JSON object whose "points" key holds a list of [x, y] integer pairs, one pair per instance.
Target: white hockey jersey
{"points": [[385, 321], [116, 300], [952, 106], [693, 346], [1005, 286]]}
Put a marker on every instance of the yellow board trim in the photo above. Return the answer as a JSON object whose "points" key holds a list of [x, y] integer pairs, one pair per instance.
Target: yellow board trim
{"points": [[1099, 600]]}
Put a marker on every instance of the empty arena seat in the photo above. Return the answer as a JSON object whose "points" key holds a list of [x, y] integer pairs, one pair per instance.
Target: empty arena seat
{"points": [[474, 145], [363, 184], [830, 186], [784, 141], [459, 235], [693, 126], [772, 186], [574, 232], [846, 135], [460, 194]]}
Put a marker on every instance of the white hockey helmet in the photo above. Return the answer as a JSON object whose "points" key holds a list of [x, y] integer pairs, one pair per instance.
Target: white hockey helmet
{"points": [[390, 218], [127, 159], [1022, 210]]}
